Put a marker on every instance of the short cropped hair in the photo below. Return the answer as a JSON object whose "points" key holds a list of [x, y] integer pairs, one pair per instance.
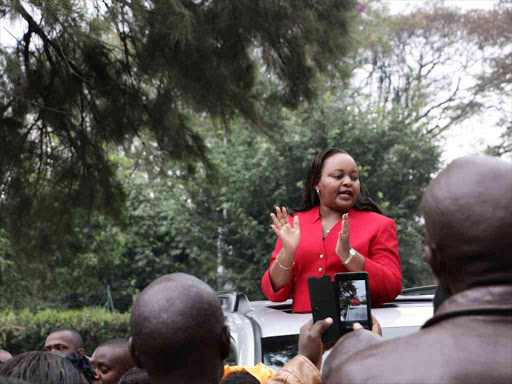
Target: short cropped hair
{"points": [[74, 332], [135, 375], [241, 377], [114, 343]]}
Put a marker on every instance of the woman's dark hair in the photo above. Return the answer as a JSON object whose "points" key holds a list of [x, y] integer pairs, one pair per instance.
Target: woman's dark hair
{"points": [[241, 377], [82, 363], [10, 380], [311, 199], [42, 368]]}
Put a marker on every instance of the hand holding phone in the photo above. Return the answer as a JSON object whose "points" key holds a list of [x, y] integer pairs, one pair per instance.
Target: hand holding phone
{"points": [[346, 301], [310, 342]]}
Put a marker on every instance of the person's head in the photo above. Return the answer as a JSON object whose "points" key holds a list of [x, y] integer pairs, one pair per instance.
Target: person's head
{"points": [[178, 331], [112, 359], [135, 375], [65, 340], [241, 377], [333, 181], [4, 356], [42, 368], [468, 218]]}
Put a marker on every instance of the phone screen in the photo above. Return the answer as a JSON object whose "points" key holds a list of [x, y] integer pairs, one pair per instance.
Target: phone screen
{"points": [[353, 300]]}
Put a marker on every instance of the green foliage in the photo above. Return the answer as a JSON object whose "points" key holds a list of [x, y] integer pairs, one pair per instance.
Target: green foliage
{"points": [[10, 277], [257, 173], [215, 94], [89, 77], [218, 228], [26, 331]]}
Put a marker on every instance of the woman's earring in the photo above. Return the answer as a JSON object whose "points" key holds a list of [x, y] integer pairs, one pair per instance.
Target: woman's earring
{"points": [[318, 192]]}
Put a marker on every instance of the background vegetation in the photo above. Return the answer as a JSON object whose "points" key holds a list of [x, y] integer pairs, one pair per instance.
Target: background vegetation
{"points": [[26, 331], [130, 150]]}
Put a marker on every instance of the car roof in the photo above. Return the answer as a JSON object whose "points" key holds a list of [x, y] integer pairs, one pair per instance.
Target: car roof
{"points": [[275, 319]]}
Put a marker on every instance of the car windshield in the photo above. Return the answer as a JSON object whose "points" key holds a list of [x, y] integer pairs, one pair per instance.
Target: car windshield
{"points": [[277, 351]]}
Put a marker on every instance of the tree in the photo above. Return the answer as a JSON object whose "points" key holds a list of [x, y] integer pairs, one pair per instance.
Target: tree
{"points": [[195, 216], [87, 77], [441, 64], [496, 78], [257, 173]]}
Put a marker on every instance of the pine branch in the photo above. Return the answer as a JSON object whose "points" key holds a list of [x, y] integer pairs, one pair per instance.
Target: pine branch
{"points": [[48, 42]]}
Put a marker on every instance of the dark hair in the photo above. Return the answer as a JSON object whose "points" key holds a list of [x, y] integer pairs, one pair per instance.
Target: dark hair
{"points": [[135, 375], [10, 380], [42, 368], [76, 335], [114, 343], [311, 199], [82, 363], [241, 377]]}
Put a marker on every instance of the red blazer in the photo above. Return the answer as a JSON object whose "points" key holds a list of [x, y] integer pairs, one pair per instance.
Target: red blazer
{"points": [[371, 234]]}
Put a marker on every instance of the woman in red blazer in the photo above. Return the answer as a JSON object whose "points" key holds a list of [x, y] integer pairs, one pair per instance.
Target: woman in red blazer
{"points": [[336, 230]]}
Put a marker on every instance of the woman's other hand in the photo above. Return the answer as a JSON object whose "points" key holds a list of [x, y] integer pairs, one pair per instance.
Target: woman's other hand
{"points": [[289, 235], [343, 245]]}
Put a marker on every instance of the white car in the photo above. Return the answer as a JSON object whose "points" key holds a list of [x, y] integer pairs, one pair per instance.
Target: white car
{"points": [[263, 331]]}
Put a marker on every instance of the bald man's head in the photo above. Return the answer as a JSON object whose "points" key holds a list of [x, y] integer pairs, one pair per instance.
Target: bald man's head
{"points": [[178, 331], [468, 216]]}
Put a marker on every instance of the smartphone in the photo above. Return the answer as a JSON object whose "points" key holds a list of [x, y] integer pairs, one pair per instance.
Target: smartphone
{"points": [[323, 305], [346, 301], [353, 295]]}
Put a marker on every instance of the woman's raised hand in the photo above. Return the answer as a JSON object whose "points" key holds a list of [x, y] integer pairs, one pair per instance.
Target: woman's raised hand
{"points": [[343, 245], [289, 235]]}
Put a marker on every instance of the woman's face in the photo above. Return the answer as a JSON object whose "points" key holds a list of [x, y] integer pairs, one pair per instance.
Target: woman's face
{"points": [[339, 183]]}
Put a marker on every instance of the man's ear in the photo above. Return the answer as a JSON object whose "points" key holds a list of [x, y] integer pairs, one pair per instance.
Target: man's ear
{"points": [[433, 259], [225, 342], [133, 353]]}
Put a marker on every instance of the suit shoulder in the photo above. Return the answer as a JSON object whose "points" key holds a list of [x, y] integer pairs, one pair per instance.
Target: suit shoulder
{"points": [[312, 214], [372, 217]]}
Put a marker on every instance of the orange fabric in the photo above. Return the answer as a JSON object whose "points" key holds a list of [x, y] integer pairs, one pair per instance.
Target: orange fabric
{"points": [[260, 371], [299, 370]]}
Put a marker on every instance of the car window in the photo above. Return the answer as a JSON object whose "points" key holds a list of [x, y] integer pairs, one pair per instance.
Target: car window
{"points": [[277, 351]]}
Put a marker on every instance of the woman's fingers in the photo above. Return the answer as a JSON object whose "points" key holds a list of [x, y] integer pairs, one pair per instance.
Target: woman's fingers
{"points": [[274, 228], [280, 220], [345, 227], [275, 221], [282, 215], [346, 224]]}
